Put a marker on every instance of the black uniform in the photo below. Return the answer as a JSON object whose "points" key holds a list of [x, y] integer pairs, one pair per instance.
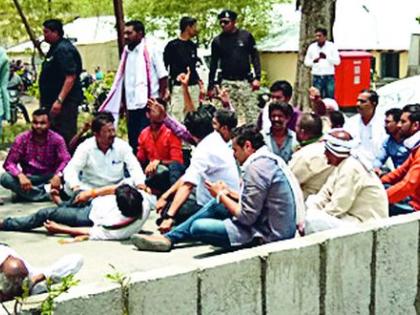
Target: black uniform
{"points": [[178, 55], [62, 59], [235, 51]]}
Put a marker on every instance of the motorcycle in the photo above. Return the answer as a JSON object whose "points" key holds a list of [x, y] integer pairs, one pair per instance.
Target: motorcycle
{"points": [[17, 108]]}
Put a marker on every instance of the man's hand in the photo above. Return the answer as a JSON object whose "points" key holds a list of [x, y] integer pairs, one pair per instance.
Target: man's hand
{"points": [[25, 182], [217, 187], [156, 110], [166, 226], [184, 78], [152, 168], [83, 196], [86, 127], [55, 182], [161, 204], [314, 93], [56, 109], [378, 171], [255, 84], [322, 55]]}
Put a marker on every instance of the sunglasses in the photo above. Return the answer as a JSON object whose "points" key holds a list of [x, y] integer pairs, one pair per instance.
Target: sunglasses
{"points": [[224, 22]]}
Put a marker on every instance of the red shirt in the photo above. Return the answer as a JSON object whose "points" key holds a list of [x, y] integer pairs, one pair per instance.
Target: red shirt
{"points": [[166, 146]]}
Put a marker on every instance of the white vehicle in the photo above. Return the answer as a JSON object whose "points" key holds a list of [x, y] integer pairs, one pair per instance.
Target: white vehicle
{"points": [[399, 93]]}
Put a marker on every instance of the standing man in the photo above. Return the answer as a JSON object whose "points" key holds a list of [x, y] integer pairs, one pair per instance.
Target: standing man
{"points": [[59, 83], [180, 54], [322, 56], [235, 49], [142, 75]]}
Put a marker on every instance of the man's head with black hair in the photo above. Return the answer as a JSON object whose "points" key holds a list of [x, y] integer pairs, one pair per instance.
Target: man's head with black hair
{"points": [[309, 126], [410, 120], [245, 141], [188, 26], [321, 35], [392, 117], [199, 123], [129, 201], [104, 130], [223, 122], [337, 119], [40, 122], [279, 114], [281, 91], [134, 32], [53, 30]]}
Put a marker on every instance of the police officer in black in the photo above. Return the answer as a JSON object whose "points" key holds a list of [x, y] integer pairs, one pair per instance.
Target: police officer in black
{"points": [[59, 82], [234, 51]]}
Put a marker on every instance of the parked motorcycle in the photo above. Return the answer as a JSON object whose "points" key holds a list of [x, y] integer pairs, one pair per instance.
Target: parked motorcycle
{"points": [[17, 108]]}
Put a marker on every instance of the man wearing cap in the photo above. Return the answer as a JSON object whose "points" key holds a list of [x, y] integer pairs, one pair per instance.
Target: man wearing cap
{"points": [[234, 49], [353, 193]]}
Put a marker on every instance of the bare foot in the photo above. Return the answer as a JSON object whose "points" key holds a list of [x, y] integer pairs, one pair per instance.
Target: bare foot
{"points": [[53, 227], [55, 196]]}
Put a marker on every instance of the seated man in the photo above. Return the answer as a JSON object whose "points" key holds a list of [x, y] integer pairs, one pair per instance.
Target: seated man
{"points": [[404, 184], [352, 194], [393, 146], [212, 160], [37, 158], [264, 211], [108, 213], [160, 153], [102, 159], [309, 163], [15, 271], [280, 140]]}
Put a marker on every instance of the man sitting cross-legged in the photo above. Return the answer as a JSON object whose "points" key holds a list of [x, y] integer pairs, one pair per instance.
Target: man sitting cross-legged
{"points": [[112, 212], [160, 153], [353, 193], [36, 158], [212, 160], [15, 272], [101, 160], [264, 211]]}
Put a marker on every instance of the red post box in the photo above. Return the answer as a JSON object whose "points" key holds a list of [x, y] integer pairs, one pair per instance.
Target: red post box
{"points": [[351, 76]]}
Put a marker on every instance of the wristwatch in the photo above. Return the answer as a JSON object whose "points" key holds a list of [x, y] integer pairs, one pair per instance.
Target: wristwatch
{"points": [[168, 216]]}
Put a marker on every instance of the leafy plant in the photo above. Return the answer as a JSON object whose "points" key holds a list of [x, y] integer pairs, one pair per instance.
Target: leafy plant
{"points": [[124, 281]]}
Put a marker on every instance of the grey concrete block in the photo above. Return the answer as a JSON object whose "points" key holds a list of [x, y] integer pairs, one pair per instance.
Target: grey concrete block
{"points": [[164, 291], [231, 284], [94, 299], [397, 269], [346, 260], [293, 276]]}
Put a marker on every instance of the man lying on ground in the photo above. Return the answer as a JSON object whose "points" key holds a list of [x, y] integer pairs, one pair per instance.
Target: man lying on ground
{"points": [[107, 213], [15, 271], [264, 211]]}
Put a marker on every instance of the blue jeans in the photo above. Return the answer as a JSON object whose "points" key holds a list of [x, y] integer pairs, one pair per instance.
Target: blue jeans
{"points": [[37, 193], [205, 226], [325, 84], [136, 122], [165, 176], [65, 214]]}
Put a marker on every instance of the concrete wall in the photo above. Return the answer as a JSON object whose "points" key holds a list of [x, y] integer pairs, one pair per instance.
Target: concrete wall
{"points": [[370, 270]]}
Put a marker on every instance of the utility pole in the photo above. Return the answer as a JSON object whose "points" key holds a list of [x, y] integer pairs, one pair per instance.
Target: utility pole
{"points": [[28, 27], [119, 17]]}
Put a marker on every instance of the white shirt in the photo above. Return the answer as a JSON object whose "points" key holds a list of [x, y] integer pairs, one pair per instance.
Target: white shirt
{"points": [[69, 264], [370, 137], [325, 66], [212, 160], [105, 213], [99, 169], [135, 76]]}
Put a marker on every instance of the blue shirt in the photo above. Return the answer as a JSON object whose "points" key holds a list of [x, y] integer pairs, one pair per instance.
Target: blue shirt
{"points": [[391, 148], [287, 149]]}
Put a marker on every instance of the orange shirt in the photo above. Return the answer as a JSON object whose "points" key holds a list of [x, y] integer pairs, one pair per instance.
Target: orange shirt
{"points": [[405, 180], [166, 146]]}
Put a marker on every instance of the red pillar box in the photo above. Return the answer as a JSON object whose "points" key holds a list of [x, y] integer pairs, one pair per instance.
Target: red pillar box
{"points": [[351, 76]]}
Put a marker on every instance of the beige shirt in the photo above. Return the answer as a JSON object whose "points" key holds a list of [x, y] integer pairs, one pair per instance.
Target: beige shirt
{"points": [[310, 167], [352, 194]]}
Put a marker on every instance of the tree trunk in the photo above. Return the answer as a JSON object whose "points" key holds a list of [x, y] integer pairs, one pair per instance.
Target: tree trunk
{"points": [[315, 13], [28, 28], [119, 17]]}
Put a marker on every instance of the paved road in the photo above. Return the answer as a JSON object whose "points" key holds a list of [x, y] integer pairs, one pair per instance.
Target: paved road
{"points": [[39, 249]]}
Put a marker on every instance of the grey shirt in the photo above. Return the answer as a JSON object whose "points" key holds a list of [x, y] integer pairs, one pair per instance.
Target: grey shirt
{"points": [[268, 207]]}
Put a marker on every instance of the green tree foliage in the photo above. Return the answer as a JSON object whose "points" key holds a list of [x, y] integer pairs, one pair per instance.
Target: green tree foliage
{"points": [[254, 15], [36, 11]]}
